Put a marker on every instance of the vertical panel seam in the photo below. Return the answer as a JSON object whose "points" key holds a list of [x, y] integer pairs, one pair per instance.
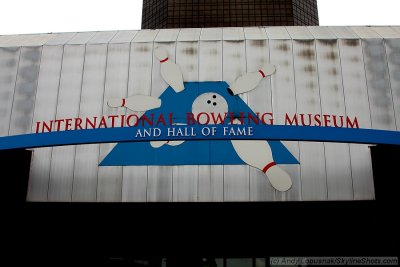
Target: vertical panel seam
{"points": [[366, 81], [296, 101], [126, 94], [151, 89], [345, 110], [79, 111], [102, 107], [15, 88], [320, 105], [247, 102], [222, 73], [390, 81], [55, 115]]}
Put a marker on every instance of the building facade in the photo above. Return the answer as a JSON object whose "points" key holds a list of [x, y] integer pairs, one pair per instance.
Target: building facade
{"points": [[223, 13], [54, 83], [57, 189]]}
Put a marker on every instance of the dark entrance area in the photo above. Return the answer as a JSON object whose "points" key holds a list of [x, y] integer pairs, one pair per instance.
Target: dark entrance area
{"points": [[385, 163], [14, 173], [200, 234]]}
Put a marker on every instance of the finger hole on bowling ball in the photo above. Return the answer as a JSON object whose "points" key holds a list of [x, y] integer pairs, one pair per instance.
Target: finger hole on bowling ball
{"points": [[208, 102], [215, 103], [214, 96], [230, 91]]}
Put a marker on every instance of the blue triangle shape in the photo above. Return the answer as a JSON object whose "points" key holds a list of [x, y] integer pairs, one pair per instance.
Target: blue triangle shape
{"points": [[213, 152]]}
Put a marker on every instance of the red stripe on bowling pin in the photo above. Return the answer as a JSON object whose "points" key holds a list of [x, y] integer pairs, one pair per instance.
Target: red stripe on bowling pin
{"points": [[262, 73], [270, 165], [123, 102], [164, 60]]}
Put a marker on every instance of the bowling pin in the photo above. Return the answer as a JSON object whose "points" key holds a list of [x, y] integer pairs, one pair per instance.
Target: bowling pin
{"points": [[257, 153], [158, 144], [251, 80], [170, 72], [135, 102]]}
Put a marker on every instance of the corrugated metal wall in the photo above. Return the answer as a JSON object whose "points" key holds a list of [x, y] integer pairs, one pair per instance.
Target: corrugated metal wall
{"points": [[352, 71]]}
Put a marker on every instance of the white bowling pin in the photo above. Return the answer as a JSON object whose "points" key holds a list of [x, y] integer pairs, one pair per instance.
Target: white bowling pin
{"points": [[170, 72], [251, 80], [135, 102], [158, 144], [257, 153]]}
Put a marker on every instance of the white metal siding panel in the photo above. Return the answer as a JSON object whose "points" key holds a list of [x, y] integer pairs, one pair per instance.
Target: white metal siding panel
{"points": [[189, 35], [321, 32], [69, 93], [378, 83], [299, 33], [61, 38], [102, 37], [343, 32], [134, 188], [211, 34], [25, 90], [236, 177], [312, 154], [160, 180], [109, 188], [277, 33], [167, 35], [9, 60], [338, 169], [252, 33], [284, 101], [185, 178], [81, 38], [396, 29], [24, 40], [145, 36], [365, 32], [393, 55], [386, 32], [91, 104], [233, 34], [123, 37], [45, 110], [357, 105]]}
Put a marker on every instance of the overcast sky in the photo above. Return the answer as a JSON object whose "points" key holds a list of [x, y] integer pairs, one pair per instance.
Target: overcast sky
{"points": [[44, 16]]}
